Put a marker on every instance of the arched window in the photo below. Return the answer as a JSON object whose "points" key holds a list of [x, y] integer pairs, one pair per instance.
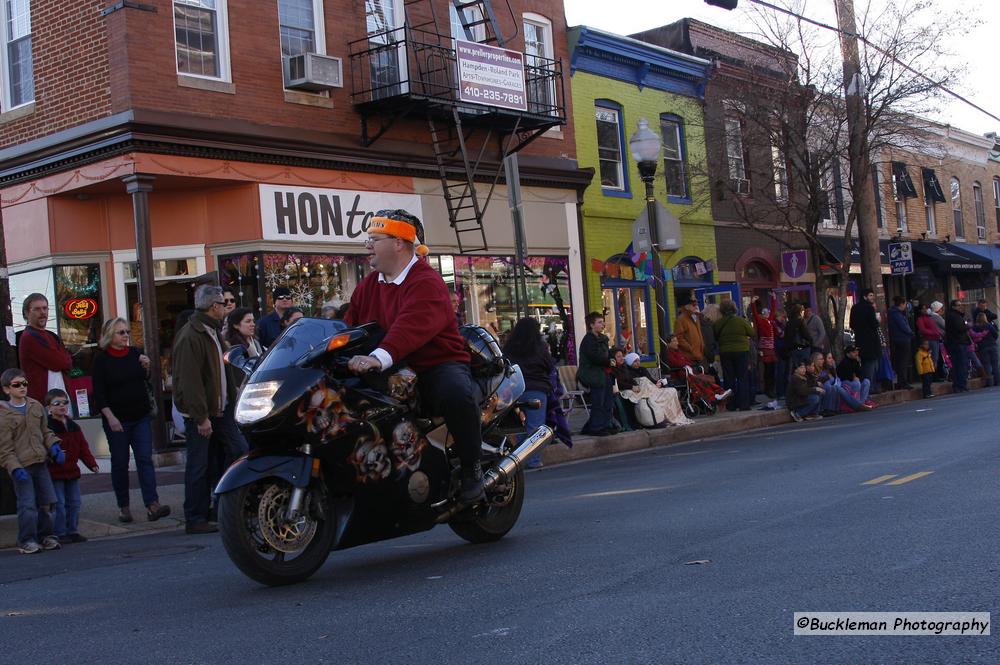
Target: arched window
{"points": [[956, 207], [757, 271]]}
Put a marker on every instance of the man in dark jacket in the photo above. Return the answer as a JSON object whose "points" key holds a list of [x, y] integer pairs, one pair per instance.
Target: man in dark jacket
{"points": [[851, 374], [982, 308], [865, 325], [957, 341], [900, 340], [206, 396], [269, 326], [594, 373]]}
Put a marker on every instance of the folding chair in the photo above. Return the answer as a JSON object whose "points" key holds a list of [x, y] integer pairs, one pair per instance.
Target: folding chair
{"points": [[571, 389]]}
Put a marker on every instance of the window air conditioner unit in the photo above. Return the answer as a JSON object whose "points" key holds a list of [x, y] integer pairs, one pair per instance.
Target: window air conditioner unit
{"points": [[313, 72], [981, 232]]}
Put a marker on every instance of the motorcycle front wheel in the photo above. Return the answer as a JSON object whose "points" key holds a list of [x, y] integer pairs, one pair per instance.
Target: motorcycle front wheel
{"points": [[262, 543], [490, 521]]}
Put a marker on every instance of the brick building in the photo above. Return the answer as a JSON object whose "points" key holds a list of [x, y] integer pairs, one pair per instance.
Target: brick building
{"points": [[256, 138], [752, 116]]}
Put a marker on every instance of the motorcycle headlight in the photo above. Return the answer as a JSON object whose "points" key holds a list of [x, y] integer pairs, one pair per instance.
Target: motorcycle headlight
{"points": [[256, 401]]}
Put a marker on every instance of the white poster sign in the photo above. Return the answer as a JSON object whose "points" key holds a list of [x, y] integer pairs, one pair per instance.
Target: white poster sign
{"points": [[311, 214], [490, 75]]}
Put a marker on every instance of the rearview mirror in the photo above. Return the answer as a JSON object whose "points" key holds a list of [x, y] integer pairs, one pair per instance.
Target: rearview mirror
{"points": [[237, 357]]}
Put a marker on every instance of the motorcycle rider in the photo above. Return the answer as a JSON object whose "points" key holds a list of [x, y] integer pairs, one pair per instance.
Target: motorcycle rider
{"points": [[409, 300]]}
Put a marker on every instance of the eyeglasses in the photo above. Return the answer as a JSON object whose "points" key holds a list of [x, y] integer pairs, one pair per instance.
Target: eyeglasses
{"points": [[282, 297], [229, 301], [121, 332], [58, 402], [219, 302], [370, 242], [18, 384]]}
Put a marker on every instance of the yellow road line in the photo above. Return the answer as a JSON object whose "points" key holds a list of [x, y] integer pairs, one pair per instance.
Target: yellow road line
{"points": [[906, 479], [876, 481]]}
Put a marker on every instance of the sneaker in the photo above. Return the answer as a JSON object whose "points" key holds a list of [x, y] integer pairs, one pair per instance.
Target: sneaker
{"points": [[155, 511], [796, 417], [77, 538], [50, 543], [472, 485], [30, 547], [723, 395], [124, 515], [814, 416], [201, 527]]}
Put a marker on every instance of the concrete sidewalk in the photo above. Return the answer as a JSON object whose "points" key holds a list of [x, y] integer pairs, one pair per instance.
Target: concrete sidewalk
{"points": [[99, 512]]}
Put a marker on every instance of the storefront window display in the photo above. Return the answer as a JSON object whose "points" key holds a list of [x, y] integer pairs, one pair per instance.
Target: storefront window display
{"points": [[627, 312]]}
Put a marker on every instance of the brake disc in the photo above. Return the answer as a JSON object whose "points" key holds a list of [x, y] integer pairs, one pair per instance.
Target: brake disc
{"points": [[289, 536]]}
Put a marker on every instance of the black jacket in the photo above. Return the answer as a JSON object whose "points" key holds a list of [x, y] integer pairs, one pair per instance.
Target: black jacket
{"points": [[536, 368], [849, 369], [864, 323], [797, 335], [956, 330]]}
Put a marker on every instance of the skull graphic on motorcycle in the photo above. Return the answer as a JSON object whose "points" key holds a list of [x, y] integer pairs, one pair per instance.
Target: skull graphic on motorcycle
{"points": [[371, 458], [323, 412], [407, 445]]}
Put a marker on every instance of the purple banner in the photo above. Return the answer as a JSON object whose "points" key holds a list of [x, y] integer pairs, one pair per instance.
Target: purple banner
{"points": [[794, 263]]}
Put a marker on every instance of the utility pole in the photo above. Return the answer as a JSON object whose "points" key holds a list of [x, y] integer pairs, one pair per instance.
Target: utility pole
{"points": [[857, 151]]}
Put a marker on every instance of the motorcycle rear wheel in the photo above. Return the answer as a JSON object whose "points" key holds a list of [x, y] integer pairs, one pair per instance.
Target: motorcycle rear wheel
{"points": [[304, 547], [490, 521]]}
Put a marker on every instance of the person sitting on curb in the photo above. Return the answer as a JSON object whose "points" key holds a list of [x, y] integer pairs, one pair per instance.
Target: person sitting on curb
{"points": [[804, 394], [852, 377], [840, 396]]}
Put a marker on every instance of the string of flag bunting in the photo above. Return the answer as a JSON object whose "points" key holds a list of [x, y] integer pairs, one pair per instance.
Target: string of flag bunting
{"points": [[641, 268]]}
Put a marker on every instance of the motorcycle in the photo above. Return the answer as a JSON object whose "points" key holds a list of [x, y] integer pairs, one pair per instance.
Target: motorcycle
{"points": [[339, 460]]}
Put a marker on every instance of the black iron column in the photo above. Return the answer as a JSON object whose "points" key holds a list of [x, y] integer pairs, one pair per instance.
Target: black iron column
{"points": [[139, 186]]}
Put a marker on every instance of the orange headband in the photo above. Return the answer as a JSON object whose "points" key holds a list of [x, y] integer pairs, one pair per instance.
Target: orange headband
{"points": [[397, 229]]}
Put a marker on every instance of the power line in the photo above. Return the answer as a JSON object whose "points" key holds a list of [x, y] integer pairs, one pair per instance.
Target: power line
{"points": [[880, 50]]}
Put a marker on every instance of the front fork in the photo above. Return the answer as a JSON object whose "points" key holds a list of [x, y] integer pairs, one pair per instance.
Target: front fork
{"points": [[299, 493]]}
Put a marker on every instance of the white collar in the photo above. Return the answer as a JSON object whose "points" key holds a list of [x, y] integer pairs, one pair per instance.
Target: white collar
{"points": [[402, 273]]}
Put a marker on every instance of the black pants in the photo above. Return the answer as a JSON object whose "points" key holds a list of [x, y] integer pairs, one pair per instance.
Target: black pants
{"points": [[901, 360], [735, 377], [447, 391], [926, 380]]}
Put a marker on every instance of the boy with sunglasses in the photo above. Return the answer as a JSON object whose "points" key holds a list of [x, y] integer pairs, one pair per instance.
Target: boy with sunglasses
{"points": [[26, 443], [66, 476]]}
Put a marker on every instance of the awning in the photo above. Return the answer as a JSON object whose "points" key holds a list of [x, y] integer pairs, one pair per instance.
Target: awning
{"points": [[834, 245], [946, 258], [932, 188], [901, 178], [990, 252]]}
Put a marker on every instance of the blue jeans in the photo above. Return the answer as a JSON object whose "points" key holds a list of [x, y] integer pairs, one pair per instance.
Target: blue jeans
{"points": [[810, 407], [601, 404], [34, 498], [734, 371], [991, 361], [861, 388], [959, 366], [870, 370], [197, 489], [935, 352], [137, 435], [830, 399], [780, 378], [67, 518]]}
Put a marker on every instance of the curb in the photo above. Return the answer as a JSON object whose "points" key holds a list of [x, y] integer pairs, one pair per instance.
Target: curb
{"points": [[588, 447]]}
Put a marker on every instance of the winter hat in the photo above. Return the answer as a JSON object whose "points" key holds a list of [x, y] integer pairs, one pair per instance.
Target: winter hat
{"points": [[631, 358], [937, 306]]}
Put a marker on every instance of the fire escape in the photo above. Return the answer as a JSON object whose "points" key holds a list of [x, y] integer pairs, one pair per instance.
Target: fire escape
{"points": [[410, 68]]}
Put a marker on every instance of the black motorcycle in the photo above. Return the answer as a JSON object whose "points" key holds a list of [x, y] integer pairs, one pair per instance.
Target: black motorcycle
{"points": [[338, 460]]}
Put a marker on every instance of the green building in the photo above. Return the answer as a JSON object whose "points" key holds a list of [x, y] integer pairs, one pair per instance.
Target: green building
{"points": [[615, 82]]}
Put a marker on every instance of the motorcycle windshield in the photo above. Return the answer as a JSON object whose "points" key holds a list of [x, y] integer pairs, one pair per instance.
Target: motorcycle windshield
{"points": [[300, 338]]}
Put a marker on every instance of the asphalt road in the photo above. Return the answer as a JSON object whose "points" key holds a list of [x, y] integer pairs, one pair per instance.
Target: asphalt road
{"points": [[598, 570]]}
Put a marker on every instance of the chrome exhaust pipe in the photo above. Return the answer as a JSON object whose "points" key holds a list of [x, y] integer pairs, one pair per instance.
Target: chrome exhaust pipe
{"points": [[510, 463]]}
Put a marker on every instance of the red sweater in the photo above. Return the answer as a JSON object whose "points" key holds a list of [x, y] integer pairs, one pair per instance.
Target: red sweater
{"points": [[40, 352], [417, 316], [74, 444]]}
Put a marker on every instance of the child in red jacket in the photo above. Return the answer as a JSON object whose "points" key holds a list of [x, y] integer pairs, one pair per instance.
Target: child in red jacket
{"points": [[66, 476]]}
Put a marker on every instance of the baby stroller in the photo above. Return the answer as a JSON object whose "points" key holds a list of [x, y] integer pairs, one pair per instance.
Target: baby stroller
{"points": [[695, 399]]}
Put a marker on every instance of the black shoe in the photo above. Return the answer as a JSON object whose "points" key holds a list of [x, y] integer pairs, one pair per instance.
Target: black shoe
{"points": [[76, 538], [472, 485], [201, 527]]}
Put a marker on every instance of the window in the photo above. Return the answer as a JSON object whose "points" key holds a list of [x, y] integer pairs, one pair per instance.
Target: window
{"points": [[18, 71], [674, 155], [930, 217], [538, 64], [977, 197], [780, 169], [202, 38], [300, 25], [897, 196], [628, 315], [932, 196], [609, 149], [739, 178], [879, 217], [384, 20], [996, 200], [828, 192], [472, 15], [956, 207]]}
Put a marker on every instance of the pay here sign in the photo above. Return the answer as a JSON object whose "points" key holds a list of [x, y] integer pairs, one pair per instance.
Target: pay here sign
{"points": [[490, 75]]}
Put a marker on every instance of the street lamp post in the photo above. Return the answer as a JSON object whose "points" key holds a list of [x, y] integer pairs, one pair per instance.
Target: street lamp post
{"points": [[646, 147]]}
